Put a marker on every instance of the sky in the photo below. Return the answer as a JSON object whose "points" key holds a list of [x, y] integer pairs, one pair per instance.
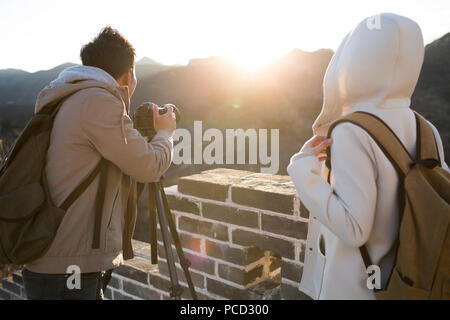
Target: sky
{"points": [[41, 34]]}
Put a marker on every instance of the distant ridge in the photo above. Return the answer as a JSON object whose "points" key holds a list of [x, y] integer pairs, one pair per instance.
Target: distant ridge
{"points": [[286, 93], [22, 87], [432, 95], [146, 60]]}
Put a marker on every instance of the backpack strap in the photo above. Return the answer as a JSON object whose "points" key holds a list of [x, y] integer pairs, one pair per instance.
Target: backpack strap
{"points": [[427, 153], [100, 169], [388, 142], [383, 135]]}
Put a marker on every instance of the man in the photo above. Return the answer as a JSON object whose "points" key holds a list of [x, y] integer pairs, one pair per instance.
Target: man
{"points": [[93, 123]]}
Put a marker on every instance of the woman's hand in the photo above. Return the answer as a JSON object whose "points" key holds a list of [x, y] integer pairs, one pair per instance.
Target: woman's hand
{"points": [[317, 146]]}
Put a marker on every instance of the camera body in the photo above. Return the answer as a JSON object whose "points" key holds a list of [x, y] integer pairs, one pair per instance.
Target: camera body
{"points": [[143, 118]]}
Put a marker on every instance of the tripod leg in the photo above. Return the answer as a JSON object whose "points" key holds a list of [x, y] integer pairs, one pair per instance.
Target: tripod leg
{"points": [[176, 289], [173, 230], [152, 223]]}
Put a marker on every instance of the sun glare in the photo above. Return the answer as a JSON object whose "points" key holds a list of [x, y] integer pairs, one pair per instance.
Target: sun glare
{"points": [[253, 60]]}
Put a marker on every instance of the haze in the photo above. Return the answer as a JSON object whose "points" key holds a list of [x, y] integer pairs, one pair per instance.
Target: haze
{"points": [[39, 35]]}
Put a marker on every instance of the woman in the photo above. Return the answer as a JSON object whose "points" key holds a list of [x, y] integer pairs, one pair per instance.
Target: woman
{"points": [[375, 70]]}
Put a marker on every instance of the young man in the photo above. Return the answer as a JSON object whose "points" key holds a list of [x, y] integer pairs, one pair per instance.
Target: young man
{"points": [[375, 70], [93, 123]]}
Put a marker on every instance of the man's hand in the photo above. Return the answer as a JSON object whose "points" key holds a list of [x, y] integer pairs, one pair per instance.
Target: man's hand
{"points": [[166, 121], [317, 146]]}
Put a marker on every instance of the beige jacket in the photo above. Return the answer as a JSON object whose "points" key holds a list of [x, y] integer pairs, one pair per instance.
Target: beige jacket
{"points": [[92, 123]]}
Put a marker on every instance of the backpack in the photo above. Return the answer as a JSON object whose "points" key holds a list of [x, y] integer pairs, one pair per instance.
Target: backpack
{"points": [[28, 218], [422, 264]]}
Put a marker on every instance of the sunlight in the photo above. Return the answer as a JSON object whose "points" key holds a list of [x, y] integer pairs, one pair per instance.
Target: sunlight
{"points": [[252, 61]]}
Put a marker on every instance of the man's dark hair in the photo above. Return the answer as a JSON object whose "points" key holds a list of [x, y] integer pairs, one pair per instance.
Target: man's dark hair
{"points": [[109, 51]]}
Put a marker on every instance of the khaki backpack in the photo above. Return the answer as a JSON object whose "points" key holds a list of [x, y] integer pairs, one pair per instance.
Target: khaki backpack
{"points": [[28, 218], [422, 266]]}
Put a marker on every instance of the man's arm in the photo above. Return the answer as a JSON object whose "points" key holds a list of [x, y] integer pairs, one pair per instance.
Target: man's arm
{"points": [[106, 125]]}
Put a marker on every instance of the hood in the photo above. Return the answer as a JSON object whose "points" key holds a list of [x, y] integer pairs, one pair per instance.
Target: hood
{"points": [[377, 65], [76, 78]]}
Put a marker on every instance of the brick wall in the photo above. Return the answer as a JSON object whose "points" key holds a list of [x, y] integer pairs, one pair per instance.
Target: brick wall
{"points": [[244, 234]]}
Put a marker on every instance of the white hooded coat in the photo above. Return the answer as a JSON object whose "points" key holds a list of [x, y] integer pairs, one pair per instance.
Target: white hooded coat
{"points": [[375, 70]]}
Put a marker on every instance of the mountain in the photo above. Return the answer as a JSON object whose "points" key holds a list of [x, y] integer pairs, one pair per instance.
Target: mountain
{"points": [[286, 93], [11, 76], [21, 87], [432, 95], [147, 67]]}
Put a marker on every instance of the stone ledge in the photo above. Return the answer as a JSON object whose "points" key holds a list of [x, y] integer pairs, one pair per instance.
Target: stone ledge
{"points": [[239, 256], [211, 184], [247, 238], [263, 191]]}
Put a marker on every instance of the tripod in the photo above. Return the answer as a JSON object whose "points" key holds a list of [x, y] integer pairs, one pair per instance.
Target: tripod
{"points": [[158, 205]]}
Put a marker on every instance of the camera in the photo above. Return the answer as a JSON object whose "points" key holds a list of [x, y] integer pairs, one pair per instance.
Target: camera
{"points": [[143, 118]]}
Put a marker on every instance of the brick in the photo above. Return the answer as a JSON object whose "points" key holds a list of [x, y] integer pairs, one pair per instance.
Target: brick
{"points": [[115, 283], [304, 213], [145, 293], [289, 292], [198, 262], [201, 296], [240, 256], [284, 226], [17, 278], [275, 263], [136, 269], [16, 297], [263, 200], [119, 296], [183, 204], [230, 292], [230, 215], [187, 241], [190, 242], [268, 289], [187, 293], [208, 229], [162, 284], [108, 294], [4, 294], [281, 247], [10, 286], [159, 283], [197, 279], [201, 263], [239, 276], [291, 271], [263, 191], [211, 184]]}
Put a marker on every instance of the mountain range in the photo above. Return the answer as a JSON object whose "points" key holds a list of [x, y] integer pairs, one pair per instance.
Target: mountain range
{"points": [[286, 93]]}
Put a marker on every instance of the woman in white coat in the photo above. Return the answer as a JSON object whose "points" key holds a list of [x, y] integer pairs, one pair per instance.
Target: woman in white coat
{"points": [[375, 70]]}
